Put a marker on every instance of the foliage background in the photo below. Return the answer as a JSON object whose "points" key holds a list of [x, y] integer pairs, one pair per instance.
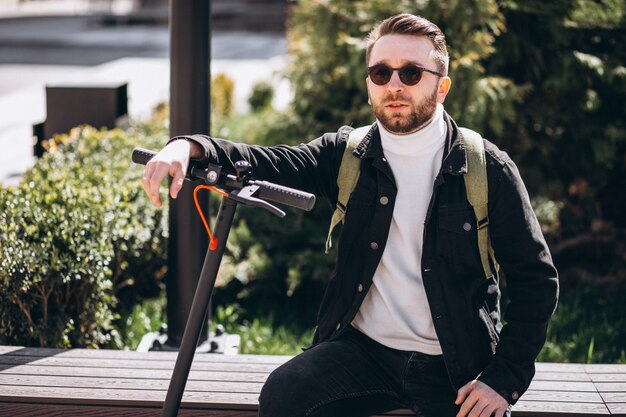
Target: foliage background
{"points": [[545, 81], [81, 243]]}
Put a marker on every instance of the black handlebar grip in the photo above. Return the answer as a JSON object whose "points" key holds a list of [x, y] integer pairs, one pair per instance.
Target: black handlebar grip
{"points": [[267, 190], [142, 156], [285, 195]]}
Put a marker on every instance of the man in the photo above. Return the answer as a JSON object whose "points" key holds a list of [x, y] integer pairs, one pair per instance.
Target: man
{"points": [[408, 319]]}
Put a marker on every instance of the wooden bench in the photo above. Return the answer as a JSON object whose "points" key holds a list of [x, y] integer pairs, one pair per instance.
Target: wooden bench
{"points": [[80, 382]]}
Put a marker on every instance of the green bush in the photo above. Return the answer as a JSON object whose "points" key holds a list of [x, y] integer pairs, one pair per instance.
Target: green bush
{"points": [[259, 336], [223, 95], [548, 96], [146, 317], [261, 96], [268, 127], [274, 269], [588, 326], [80, 242]]}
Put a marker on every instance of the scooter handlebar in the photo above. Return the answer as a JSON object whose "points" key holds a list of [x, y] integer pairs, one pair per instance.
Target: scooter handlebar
{"points": [[267, 190], [285, 195], [142, 156]]}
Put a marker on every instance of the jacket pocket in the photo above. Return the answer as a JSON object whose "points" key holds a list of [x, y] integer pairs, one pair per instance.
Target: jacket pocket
{"points": [[457, 240]]}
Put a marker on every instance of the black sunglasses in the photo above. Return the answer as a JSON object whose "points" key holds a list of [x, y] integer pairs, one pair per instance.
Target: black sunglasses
{"points": [[410, 74]]}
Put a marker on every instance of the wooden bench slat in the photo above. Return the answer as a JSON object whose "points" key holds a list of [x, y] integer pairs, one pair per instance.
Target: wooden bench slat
{"points": [[64, 410], [562, 386], [57, 410], [160, 356], [613, 397], [602, 368], [553, 408], [122, 397], [559, 367], [136, 364], [130, 373], [611, 387], [562, 376], [127, 383], [607, 377], [6, 349], [617, 409], [563, 396]]}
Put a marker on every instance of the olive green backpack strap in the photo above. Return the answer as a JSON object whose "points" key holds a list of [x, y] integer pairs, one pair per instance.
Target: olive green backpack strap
{"points": [[476, 187], [347, 178]]}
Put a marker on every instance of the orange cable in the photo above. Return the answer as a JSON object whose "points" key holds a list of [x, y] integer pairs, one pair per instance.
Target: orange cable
{"points": [[212, 239]]}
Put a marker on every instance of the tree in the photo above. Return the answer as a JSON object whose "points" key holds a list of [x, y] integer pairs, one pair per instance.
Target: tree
{"points": [[545, 81], [328, 71], [569, 130], [280, 265]]}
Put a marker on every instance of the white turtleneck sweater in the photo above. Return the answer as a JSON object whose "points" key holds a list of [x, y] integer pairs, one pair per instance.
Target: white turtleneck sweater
{"points": [[395, 311]]}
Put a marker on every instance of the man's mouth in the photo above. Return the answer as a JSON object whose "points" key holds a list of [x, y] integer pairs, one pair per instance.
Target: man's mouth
{"points": [[396, 105]]}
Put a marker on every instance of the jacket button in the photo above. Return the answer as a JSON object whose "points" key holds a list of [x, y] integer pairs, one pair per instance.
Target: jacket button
{"points": [[374, 245], [360, 288], [384, 200], [467, 227], [515, 395], [338, 326]]}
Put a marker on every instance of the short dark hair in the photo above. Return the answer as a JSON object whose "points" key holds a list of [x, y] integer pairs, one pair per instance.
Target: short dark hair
{"points": [[408, 24]]}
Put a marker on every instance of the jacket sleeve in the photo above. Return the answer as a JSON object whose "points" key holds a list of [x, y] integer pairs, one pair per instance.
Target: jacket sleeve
{"points": [[310, 167], [532, 285]]}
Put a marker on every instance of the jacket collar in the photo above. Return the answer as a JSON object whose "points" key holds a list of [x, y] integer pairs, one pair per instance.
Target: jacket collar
{"points": [[454, 156], [371, 145]]}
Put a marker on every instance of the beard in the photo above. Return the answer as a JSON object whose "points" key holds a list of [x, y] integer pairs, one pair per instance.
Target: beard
{"points": [[397, 123]]}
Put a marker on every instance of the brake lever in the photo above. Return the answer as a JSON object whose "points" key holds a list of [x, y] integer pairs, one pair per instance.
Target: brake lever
{"points": [[246, 197]]}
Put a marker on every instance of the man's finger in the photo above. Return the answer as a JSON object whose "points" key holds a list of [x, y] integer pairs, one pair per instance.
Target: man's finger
{"points": [[479, 408], [147, 174], [462, 393], [147, 183], [177, 183], [468, 404], [156, 179], [486, 411]]}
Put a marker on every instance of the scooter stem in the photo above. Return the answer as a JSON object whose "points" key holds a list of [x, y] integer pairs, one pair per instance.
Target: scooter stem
{"points": [[198, 310]]}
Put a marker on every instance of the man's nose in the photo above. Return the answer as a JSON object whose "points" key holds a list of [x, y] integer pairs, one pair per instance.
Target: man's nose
{"points": [[394, 83]]}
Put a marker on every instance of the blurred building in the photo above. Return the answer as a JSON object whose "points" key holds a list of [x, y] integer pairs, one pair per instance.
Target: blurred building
{"points": [[244, 15], [252, 15]]}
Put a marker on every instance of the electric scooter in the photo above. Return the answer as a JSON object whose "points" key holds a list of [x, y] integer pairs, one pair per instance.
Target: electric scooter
{"points": [[235, 188]]}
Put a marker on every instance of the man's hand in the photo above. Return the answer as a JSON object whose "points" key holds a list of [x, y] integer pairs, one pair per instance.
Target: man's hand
{"points": [[172, 160], [479, 400]]}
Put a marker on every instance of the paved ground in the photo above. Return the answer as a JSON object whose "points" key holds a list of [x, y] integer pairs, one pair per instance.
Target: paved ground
{"points": [[36, 51]]}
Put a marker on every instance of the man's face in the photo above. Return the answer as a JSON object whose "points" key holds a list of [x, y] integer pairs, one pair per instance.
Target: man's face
{"points": [[401, 108]]}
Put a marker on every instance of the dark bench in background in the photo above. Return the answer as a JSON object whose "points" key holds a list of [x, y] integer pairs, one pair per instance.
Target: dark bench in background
{"points": [[70, 105]]}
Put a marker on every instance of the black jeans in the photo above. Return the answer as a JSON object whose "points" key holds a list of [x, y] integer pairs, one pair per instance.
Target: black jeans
{"points": [[354, 375]]}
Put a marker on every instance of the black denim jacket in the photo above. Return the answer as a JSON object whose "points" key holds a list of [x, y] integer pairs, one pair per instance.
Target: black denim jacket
{"points": [[465, 306]]}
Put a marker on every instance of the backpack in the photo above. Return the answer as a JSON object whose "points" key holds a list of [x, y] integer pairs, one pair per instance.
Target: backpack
{"points": [[475, 185]]}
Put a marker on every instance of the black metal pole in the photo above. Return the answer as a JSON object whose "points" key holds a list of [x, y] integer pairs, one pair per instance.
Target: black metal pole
{"points": [[199, 309], [189, 113]]}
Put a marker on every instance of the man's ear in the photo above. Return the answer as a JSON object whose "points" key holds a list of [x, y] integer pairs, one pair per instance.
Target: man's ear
{"points": [[367, 84], [443, 88]]}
